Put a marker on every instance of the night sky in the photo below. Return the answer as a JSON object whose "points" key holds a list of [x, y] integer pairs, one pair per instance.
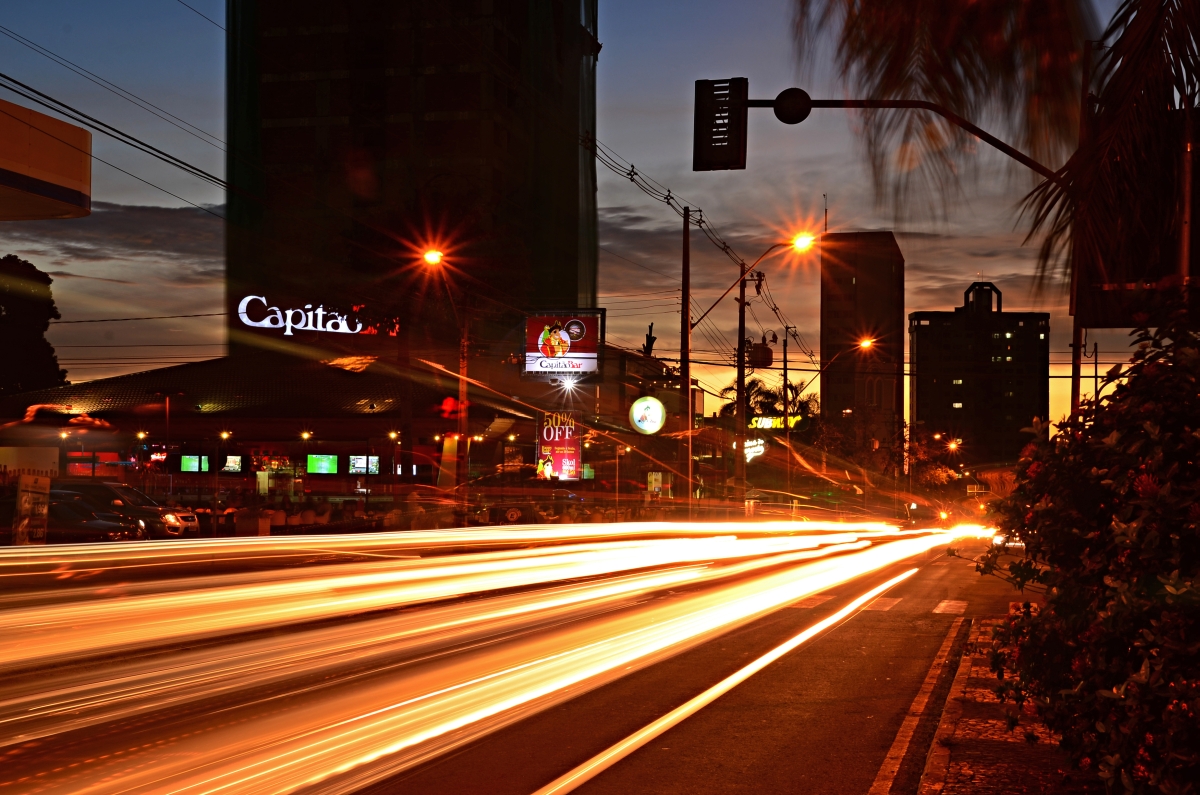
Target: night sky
{"points": [[145, 252]]}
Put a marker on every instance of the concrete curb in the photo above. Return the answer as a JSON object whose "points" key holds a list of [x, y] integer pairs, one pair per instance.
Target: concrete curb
{"points": [[937, 764]]}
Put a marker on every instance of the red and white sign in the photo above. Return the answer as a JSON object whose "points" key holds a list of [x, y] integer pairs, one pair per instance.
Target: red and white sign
{"points": [[559, 446], [563, 344]]}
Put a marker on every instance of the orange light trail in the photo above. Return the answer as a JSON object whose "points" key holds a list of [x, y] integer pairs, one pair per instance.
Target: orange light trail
{"points": [[327, 676]]}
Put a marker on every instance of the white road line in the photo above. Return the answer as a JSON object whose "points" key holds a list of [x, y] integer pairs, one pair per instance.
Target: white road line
{"points": [[883, 604], [609, 757], [951, 606], [891, 763], [810, 601]]}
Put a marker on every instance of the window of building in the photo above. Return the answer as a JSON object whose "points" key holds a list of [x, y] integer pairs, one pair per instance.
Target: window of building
{"points": [[957, 405], [1041, 336], [1008, 335], [1020, 322], [995, 358], [1008, 358], [957, 380], [996, 336], [924, 322], [1008, 394]]}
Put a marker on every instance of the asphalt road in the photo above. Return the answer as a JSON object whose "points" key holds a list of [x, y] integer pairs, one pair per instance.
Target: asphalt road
{"points": [[821, 720], [470, 661]]}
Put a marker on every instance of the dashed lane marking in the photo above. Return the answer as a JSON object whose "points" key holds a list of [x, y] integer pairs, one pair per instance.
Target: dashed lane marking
{"points": [[886, 603], [811, 601], [951, 606]]}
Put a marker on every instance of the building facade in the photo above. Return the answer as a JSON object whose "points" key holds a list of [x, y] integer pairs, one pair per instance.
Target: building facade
{"points": [[980, 374], [362, 133], [862, 298]]}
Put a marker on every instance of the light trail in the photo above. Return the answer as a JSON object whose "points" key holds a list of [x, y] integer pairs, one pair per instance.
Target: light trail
{"points": [[324, 678]]}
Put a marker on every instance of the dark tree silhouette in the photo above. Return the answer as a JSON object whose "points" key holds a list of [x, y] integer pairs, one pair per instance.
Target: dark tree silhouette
{"points": [[27, 360]]}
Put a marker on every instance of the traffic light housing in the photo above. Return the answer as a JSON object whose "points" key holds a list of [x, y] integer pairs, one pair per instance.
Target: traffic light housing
{"points": [[719, 143]]}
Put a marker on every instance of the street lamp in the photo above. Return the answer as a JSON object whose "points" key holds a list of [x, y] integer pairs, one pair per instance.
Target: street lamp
{"points": [[800, 243], [432, 257]]}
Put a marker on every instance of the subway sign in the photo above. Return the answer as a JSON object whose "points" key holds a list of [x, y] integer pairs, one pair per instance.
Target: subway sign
{"points": [[774, 423]]}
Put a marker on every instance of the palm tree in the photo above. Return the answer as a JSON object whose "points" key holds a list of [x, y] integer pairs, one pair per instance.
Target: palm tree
{"points": [[1019, 65]]}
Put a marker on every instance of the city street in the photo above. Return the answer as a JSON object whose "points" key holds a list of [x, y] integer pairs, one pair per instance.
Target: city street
{"points": [[473, 660]]}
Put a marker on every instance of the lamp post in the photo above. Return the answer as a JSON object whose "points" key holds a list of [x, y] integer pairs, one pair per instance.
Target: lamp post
{"points": [[800, 243]]}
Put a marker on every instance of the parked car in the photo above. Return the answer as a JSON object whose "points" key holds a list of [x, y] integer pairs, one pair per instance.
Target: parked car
{"points": [[69, 522], [161, 521]]}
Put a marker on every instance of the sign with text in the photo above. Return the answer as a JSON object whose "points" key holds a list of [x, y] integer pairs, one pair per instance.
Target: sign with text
{"points": [[564, 344], [559, 446], [33, 504]]}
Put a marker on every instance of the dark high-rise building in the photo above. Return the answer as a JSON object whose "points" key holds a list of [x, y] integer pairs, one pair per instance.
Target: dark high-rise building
{"points": [[980, 374], [862, 297], [363, 132]]}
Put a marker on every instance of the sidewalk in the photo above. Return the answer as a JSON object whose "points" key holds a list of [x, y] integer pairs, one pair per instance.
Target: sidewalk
{"points": [[975, 753]]}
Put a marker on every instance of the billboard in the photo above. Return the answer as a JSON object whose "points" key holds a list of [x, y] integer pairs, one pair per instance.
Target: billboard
{"points": [[559, 437], [562, 344], [322, 464], [364, 465], [193, 463]]}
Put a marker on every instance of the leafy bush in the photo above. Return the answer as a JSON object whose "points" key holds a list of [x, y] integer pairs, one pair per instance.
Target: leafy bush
{"points": [[1109, 513]]}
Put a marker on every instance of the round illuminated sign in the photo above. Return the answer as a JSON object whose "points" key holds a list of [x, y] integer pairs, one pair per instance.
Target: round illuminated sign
{"points": [[647, 415]]}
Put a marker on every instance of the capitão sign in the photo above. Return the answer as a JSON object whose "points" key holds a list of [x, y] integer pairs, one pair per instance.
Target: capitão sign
{"points": [[306, 319], [558, 446], [564, 344]]}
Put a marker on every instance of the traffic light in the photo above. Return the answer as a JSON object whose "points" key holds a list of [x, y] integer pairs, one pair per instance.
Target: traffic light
{"points": [[719, 143]]}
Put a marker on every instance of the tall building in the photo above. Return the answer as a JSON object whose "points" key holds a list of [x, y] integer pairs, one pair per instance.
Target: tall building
{"points": [[862, 297], [363, 132], [980, 374]]}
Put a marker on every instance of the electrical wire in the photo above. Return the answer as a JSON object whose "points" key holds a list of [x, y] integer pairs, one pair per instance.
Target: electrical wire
{"points": [[185, 5], [122, 319]]}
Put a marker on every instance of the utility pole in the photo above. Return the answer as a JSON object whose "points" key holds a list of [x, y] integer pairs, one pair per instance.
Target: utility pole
{"points": [[464, 439], [740, 413], [685, 363], [787, 415]]}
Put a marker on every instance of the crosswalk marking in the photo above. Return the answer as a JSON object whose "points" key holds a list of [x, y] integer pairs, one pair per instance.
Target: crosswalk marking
{"points": [[885, 603], [951, 606], [811, 601]]}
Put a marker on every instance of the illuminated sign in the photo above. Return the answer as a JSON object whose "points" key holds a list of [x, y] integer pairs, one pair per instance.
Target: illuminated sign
{"points": [[193, 463], [774, 423], [322, 464], [647, 415], [364, 465], [306, 319], [564, 344], [754, 448], [559, 446]]}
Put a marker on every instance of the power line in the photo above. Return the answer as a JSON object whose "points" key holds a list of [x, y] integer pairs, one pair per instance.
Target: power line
{"points": [[210, 19], [113, 88], [122, 319]]}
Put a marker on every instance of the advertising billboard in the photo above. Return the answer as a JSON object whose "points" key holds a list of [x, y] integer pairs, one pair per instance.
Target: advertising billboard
{"points": [[322, 464], [193, 463], [559, 446], [563, 344], [647, 415], [364, 465]]}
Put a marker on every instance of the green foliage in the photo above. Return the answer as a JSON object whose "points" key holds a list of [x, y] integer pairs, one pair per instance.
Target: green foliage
{"points": [[1109, 513]]}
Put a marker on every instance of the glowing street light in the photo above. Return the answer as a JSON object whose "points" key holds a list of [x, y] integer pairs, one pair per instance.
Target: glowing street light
{"points": [[803, 241], [140, 435], [305, 435], [392, 435], [62, 434], [864, 344], [952, 446], [225, 434], [432, 257]]}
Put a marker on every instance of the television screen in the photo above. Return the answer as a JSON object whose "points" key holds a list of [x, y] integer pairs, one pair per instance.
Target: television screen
{"points": [[364, 465], [322, 464], [193, 463], [233, 463]]}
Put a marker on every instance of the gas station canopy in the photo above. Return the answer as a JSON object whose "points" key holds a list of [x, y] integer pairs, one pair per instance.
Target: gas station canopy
{"points": [[45, 166]]}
